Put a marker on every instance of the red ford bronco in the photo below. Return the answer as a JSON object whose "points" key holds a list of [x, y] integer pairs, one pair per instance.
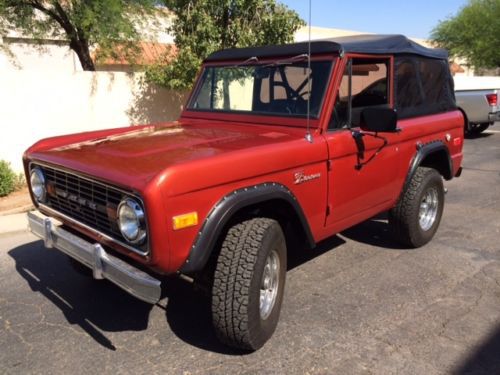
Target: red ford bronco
{"points": [[278, 147]]}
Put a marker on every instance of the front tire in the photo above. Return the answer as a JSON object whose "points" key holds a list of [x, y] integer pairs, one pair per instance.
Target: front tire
{"points": [[416, 217], [248, 283]]}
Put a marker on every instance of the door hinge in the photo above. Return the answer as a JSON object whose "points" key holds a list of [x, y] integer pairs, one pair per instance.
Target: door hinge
{"points": [[328, 210], [329, 165]]}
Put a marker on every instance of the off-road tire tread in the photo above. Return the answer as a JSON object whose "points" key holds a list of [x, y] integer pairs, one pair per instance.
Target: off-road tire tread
{"points": [[232, 279], [402, 216]]}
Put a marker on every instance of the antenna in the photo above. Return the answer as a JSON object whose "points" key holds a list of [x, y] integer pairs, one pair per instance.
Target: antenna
{"points": [[309, 137]]}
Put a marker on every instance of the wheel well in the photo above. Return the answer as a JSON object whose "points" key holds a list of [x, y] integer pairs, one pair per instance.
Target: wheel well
{"points": [[438, 160], [277, 209], [281, 211], [466, 119]]}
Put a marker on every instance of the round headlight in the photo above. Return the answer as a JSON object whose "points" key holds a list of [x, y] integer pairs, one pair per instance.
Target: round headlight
{"points": [[131, 221], [37, 181]]}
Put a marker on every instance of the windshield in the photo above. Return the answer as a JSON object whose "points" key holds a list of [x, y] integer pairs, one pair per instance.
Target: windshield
{"points": [[266, 89]]}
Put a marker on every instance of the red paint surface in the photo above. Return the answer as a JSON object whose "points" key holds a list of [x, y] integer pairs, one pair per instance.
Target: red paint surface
{"points": [[191, 164]]}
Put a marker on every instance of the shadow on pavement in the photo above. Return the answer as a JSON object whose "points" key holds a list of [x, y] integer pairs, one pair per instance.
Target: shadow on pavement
{"points": [[189, 317], [374, 232], [478, 136], [486, 358], [298, 257], [83, 301], [189, 312], [99, 306]]}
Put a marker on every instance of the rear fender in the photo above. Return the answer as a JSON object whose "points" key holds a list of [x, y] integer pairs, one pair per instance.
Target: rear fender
{"points": [[434, 155]]}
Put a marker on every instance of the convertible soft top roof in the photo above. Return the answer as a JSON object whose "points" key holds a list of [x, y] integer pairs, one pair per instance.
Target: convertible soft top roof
{"points": [[369, 43]]}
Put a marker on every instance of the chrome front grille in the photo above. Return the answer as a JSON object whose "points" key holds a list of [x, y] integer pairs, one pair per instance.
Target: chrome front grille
{"points": [[87, 201]]}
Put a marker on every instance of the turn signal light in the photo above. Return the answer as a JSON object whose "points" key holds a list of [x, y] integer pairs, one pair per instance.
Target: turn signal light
{"points": [[185, 220], [492, 99]]}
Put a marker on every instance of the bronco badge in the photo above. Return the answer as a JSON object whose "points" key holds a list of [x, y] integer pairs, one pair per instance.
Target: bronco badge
{"points": [[300, 177]]}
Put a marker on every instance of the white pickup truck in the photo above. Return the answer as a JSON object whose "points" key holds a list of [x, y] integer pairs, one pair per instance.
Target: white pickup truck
{"points": [[477, 97]]}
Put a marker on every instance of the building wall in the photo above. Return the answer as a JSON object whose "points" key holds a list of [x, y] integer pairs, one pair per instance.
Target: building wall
{"points": [[302, 34], [38, 104], [23, 54], [44, 93]]}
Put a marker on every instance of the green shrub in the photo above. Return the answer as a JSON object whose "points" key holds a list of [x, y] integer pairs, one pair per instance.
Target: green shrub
{"points": [[8, 179], [20, 181]]}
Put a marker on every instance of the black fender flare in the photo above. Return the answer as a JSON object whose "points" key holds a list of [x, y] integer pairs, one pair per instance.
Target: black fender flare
{"points": [[224, 210], [423, 151], [467, 125]]}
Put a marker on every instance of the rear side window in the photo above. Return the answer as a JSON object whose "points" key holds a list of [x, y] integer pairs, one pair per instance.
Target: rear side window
{"points": [[434, 85], [409, 91], [423, 86]]}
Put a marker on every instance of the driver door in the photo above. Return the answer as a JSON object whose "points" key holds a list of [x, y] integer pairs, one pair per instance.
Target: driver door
{"points": [[363, 174]]}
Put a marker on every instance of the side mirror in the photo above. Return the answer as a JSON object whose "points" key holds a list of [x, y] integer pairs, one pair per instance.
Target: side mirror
{"points": [[379, 119]]}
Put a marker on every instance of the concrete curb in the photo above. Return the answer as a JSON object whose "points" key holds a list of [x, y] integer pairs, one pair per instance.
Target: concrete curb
{"points": [[13, 223], [17, 210]]}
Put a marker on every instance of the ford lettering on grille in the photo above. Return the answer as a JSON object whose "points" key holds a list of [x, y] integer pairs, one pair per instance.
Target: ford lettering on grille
{"points": [[76, 199]]}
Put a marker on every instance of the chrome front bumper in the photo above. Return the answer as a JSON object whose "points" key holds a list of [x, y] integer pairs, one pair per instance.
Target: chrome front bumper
{"points": [[104, 266]]}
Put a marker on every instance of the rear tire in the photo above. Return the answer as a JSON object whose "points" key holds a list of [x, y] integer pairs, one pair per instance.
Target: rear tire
{"points": [[416, 217], [248, 283]]}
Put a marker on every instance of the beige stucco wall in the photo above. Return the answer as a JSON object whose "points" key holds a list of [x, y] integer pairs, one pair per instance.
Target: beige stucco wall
{"points": [[37, 104], [44, 92], [302, 34], [52, 56]]}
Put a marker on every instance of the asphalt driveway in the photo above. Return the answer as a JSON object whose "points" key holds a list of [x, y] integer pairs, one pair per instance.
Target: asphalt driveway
{"points": [[358, 304]]}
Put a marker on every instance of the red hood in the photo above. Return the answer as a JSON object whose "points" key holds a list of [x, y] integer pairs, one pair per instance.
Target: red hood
{"points": [[133, 157]]}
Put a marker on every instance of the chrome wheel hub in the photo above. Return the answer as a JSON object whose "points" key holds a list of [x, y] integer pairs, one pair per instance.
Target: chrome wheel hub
{"points": [[269, 284], [428, 209]]}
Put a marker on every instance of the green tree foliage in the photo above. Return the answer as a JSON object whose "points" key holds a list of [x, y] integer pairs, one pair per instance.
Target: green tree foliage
{"points": [[204, 26], [108, 24], [474, 33]]}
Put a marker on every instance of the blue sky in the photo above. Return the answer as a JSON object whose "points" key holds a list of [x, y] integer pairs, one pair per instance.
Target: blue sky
{"points": [[411, 18]]}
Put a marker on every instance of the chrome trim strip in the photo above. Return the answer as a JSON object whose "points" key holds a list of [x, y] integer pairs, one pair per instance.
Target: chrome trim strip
{"points": [[106, 236], [134, 281]]}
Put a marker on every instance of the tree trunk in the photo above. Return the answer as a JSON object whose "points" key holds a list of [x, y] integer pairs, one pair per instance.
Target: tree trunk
{"points": [[82, 51], [225, 26]]}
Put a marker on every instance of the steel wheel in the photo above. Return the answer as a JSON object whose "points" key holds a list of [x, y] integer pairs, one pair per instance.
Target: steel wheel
{"points": [[269, 284], [428, 209], [415, 218]]}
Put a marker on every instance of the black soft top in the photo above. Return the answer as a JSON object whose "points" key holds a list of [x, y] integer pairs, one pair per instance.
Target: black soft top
{"points": [[366, 43]]}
